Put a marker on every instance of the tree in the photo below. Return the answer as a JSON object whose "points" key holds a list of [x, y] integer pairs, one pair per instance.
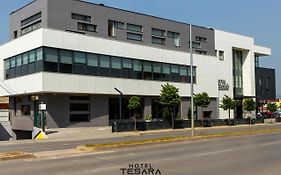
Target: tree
{"points": [[249, 105], [203, 100], [170, 97], [228, 103], [133, 104], [272, 107]]}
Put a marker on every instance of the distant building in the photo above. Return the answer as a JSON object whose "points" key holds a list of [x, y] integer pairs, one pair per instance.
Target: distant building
{"points": [[71, 54]]}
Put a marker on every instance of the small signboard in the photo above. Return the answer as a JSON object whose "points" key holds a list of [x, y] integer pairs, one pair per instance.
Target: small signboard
{"points": [[42, 107], [223, 85]]}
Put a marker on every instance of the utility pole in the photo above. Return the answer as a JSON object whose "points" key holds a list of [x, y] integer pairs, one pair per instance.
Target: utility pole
{"points": [[120, 102], [191, 82]]}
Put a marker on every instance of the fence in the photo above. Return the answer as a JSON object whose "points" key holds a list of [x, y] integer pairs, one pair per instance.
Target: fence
{"points": [[120, 126]]}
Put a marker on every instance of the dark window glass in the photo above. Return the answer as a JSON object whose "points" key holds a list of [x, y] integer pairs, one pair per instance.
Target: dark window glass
{"points": [[31, 62], [87, 27], [104, 68], [31, 28], [92, 64], [65, 61], [24, 66], [7, 68], [183, 74], [79, 107], [126, 68], [39, 58], [79, 66], [51, 60], [25, 109], [31, 19], [12, 70], [147, 70], [81, 17], [134, 28], [79, 118], [18, 65], [134, 36], [137, 69], [157, 71], [166, 75], [174, 72], [116, 67]]}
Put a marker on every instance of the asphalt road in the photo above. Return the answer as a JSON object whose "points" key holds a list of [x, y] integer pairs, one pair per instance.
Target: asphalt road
{"points": [[247, 155], [38, 146]]}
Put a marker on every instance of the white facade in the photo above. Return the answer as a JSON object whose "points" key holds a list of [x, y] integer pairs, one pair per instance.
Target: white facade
{"points": [[209, 68]]}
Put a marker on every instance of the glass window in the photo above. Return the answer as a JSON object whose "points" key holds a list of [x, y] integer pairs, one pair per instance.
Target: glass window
{"points": [[87, 27], [39, 54], [175, 72], [127, 63], [65, 57], [175, 69], [183, 70], [147, 66], [166, 72], [157, 71], [32, 56], [25, 58], [92, 60], [81, 17], [104, 61], [13, 62], [137, 65], [134, 28], [176, 37], [115, 63], [79, 57], [51, 55], [156, 40], [18, 60], [158, 32], [134, 36], [221, 55]]}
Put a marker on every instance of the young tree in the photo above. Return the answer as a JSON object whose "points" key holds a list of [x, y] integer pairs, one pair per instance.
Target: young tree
{"points": [[228, 103], [203, 100], [170, 97], [272, 107], [249, 105], [133, 105]]}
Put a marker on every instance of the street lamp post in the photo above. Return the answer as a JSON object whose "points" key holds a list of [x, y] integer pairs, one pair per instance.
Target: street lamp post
{"points": [[191, 81], [120, 102]]}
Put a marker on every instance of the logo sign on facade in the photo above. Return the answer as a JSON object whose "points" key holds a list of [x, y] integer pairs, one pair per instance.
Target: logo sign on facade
{"points": [[223, 85]]}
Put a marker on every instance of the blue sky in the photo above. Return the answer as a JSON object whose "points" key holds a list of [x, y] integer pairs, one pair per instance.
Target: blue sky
{"points": [[256, 18]]}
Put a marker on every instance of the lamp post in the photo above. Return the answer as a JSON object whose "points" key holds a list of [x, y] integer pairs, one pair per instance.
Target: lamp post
{"points": [[120, 102], [191, 81], [43, 108]]}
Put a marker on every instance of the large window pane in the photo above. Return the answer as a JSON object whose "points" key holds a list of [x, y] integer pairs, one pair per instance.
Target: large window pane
{"points": [[51, 60], [65, 61], [7, 67], [31, 64], [127, 68], [156, 71], [116, 67], [183, 73], [79, 57], [104, 65], [166, 75], [12, 70], [134, 36], [137, 69], [92, 64], [39, 58], [134, 28], [147, 70], [39, 54], [175, 72]]}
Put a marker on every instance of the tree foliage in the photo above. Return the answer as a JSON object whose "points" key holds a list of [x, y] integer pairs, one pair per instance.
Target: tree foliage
{"points": [[249, 104], [202, 99], [272, 107], [169, 95], [134, 103], [228, 103]]}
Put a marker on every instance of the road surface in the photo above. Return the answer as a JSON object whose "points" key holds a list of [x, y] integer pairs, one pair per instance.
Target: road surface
{"points": [[247, 155]]}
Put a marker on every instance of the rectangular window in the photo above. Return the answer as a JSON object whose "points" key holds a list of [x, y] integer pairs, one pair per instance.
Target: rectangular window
{"points": [[126, 68], [221, 55], [65, 65], [156, 71], [158, 32], [25, 58], [32, 56], [31, 19], [79, 57], [201, 52], [39, 58], [13, 62], [51, 60], [113, 25], [134, 28], [201, 39], [166, 76], [39, 54], [134, 36], [175, 72], [93, 60], [79, 118], [31, 62], [116, 67], [81, 17], [137, 69], [147, 70], [79, 107], [156, 40], [7, 67], [18, 60], [104, 68], [175, 36], [183, 74], [31, 28], [196, 45], [87, 27]]}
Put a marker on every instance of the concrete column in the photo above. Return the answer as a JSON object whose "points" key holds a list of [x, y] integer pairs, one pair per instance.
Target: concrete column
{"points": [[100, 110], [184, 107], [147, 106]]}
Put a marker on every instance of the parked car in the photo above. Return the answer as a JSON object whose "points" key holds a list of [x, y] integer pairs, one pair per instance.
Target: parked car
{"points": [[267, 114], [277, 113]]}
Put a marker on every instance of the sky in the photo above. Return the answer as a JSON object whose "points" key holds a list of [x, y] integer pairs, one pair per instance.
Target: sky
{"points": [[259, 19]]}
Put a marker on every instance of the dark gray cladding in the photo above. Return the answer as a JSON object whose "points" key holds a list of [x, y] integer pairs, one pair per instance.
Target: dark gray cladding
{"points": [[265, 83], [57, 14]]}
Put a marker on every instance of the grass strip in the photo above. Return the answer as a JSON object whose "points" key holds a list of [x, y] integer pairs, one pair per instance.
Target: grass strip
{"points": [[93, 147], [15, 155]]}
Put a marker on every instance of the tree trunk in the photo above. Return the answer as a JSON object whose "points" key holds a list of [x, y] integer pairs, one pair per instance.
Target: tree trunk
{"points": [[229, 117], [135, 118], [172, 118]]}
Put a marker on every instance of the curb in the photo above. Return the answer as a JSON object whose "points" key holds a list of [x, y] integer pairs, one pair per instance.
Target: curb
{"points": [[15, 155]]}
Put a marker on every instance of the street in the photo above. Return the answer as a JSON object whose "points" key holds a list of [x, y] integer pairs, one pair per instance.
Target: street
{"points": [[247, 155]]}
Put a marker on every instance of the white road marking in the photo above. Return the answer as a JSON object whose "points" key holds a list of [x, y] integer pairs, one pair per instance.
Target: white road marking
{"points": [[271, 143]]}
